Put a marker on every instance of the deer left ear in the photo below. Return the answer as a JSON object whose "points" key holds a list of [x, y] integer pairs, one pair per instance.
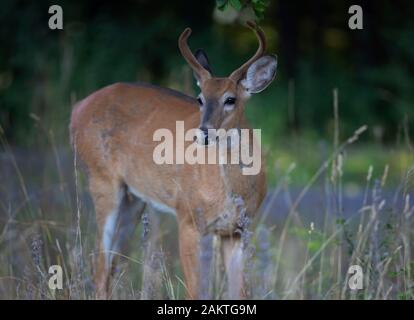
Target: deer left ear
{"points": [[260, 74], [202, 59]]}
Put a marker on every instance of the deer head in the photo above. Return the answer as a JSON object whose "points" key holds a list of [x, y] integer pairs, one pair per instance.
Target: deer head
{"points": [[222, 100]]}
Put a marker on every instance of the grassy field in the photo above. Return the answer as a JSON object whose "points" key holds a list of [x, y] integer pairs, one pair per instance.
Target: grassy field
{"points": [[335, 198], [324, 212]]}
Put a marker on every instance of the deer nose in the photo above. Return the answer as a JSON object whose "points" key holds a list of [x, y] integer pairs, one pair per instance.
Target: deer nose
{"points": [[204, 130]]}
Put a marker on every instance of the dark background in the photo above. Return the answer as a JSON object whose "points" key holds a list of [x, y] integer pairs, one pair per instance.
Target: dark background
{"points": [[43, 71]]}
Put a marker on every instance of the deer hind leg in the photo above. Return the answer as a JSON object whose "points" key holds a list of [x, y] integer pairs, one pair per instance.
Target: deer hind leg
{"points": [[106, 194], [115, 214], [232, 253], [129, 215]]}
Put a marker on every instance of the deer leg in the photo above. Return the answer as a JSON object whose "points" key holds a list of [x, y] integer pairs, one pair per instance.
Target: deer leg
{"points": [[118, 213], [232, 252], [107, 195], [130, 212], [189, 238]]}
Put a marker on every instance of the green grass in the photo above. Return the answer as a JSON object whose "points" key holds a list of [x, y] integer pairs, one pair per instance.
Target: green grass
{"points": [[307, 156], [292, 257]]}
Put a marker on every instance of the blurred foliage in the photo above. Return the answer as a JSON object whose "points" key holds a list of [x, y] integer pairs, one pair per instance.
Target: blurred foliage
{"points": [[44, 72], [258, 6]]}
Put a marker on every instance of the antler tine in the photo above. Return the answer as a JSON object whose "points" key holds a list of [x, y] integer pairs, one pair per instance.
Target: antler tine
{"points": [[237, 74], [189, 57]]}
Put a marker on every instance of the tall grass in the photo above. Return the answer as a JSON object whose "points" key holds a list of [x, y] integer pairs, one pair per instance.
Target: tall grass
{"points": [[46, 218]]}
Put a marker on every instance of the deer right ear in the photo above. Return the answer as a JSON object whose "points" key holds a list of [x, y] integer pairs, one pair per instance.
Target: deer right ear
{"points": [[202, 59], [260, 74]]}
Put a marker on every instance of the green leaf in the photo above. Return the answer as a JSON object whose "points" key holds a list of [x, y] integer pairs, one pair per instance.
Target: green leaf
{"points": [[259, 7], [222, 4], [236, 4], [259, 14]]}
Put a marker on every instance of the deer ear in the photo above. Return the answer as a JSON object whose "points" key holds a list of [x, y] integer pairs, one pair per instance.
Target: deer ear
{"points": [[260, 74], [202, 59]]}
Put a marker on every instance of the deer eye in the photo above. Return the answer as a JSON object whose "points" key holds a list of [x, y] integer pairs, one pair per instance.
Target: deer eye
{"points": [[230, 101], [200, 102]]}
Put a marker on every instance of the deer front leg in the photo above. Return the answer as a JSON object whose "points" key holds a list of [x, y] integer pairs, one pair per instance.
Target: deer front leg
{"points": [[189, 238], [232, 253]]}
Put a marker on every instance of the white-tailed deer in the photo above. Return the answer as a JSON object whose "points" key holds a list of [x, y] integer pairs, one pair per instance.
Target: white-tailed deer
{"points": [[112, 132]]}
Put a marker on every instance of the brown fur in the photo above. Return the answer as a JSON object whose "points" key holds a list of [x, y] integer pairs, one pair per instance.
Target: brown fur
{"points": [[112, 130]]}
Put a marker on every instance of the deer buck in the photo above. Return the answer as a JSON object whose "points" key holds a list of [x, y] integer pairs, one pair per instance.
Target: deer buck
{"points": [[112, 134]]}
